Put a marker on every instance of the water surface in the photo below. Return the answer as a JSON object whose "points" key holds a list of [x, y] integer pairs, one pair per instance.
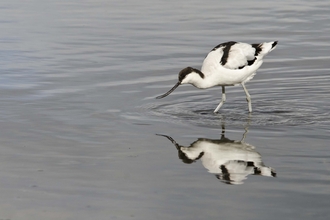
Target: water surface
{"points": [[79, 115]]}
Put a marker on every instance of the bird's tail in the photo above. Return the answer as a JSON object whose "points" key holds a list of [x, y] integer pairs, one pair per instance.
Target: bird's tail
{"points": [[273, 45], [264, 48]]}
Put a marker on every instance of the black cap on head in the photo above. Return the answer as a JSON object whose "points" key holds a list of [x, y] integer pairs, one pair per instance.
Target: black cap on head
{"points": [[184, 72]]}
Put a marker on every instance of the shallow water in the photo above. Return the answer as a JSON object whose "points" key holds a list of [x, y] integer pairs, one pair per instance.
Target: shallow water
{"points": [[79, 115]]}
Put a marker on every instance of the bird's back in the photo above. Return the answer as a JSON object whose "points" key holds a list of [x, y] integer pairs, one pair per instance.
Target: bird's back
{"points": [[232, 63]]}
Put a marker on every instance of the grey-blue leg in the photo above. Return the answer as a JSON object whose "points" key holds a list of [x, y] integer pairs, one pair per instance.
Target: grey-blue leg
{"points": [[248, 97], [223, 100]]}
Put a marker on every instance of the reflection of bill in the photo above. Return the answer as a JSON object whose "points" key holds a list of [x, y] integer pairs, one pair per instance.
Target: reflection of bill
{"points": [[231, 161]]}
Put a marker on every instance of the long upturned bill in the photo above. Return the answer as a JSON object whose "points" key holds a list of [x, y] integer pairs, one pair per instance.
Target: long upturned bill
{"points": [[169, 92]]}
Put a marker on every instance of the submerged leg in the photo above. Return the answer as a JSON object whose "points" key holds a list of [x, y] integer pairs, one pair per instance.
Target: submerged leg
{"points": [[246, 128], [248, 97], [223, 100]]}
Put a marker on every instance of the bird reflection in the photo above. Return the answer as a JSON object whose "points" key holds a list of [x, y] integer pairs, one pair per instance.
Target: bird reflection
{"points": [[229, 160]]}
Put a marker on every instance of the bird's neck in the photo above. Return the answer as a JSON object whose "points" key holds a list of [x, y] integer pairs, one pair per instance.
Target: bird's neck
{"points": [[200, 80], [197, 79]]}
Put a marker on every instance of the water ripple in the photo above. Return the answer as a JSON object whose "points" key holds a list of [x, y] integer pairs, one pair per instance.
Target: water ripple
{"points": [[266, 112]]}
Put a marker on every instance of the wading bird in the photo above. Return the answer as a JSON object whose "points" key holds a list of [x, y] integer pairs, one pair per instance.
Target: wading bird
{"points": [[227, 64]]}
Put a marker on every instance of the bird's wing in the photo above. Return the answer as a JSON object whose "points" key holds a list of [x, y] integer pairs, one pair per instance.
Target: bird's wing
{"points": [[237, 56], [229, 55]]}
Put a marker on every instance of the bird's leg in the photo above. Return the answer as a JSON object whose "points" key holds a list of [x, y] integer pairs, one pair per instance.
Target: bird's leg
{"points": [[248, 97], [244, 135], [223, 100], [246, 128]]}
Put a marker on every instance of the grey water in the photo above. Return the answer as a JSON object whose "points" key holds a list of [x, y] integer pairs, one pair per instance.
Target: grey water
{"points": [[79, 118]]}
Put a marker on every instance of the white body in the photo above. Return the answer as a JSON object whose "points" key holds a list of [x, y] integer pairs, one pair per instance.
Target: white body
{"points": [[229, 74], [228, 64]]}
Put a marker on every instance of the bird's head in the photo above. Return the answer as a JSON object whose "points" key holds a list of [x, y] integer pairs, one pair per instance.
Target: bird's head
{"points": [[186, 75]]}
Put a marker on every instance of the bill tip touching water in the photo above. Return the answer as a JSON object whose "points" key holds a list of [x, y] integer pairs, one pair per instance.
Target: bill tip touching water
{"points": [[228, 64]]}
